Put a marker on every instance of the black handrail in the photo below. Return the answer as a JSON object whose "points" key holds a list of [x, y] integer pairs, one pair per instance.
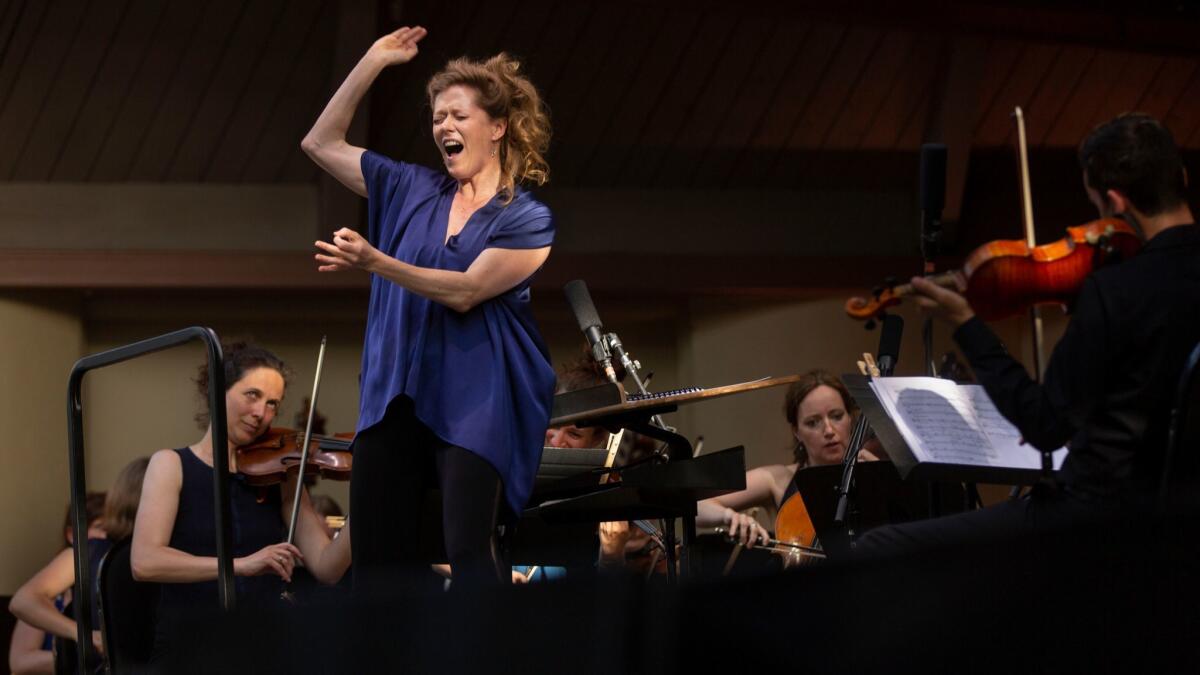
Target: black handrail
{"points": [[216, 404]]}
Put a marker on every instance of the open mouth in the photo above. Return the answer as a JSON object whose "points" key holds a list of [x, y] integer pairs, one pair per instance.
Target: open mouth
{"points": [[452, 148]]}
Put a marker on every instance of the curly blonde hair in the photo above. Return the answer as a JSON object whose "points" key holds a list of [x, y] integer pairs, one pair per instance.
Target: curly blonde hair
{"points": [[504, 93]]}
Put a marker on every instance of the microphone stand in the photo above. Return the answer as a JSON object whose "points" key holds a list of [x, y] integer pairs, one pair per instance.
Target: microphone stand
{"points": [[676, 447], [632, 366]]}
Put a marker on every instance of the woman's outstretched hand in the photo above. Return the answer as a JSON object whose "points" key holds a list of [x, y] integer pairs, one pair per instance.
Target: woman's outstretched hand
{"points": [[349, 250], [397, 47]]}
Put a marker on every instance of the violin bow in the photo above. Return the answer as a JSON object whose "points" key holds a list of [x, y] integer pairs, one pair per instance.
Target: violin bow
{"points": [[1030, 240], [1035, 312], [312, 409]]}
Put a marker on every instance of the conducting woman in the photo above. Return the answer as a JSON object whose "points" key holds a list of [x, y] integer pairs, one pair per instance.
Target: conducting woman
{"points": [[456, 380]]}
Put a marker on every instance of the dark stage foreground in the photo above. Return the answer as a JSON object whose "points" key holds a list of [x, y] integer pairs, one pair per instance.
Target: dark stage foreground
{"points": [[1112, 598]]}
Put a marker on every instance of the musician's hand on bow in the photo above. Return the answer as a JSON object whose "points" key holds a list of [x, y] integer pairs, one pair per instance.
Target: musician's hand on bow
{"points": [[747, 530], [519, 578], [349, 250], [613, 537], [948, 305], [278, 559], [399, 46]]}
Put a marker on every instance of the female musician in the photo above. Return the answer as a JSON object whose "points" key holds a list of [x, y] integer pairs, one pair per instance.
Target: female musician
{"points": [[174, 537], [820, 412], [456, 380], [35, 601]]}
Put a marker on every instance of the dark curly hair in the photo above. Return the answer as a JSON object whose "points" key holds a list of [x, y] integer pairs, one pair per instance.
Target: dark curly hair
{"points": [[239, 359], [800, 390], [1135, 155], [504, 93]]}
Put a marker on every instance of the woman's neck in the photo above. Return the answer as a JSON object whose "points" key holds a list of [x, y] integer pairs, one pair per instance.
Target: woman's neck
{"points": [[483, 185], [204, 450]]}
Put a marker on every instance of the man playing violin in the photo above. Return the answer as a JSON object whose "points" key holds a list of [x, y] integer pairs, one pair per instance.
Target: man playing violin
{"points": [[1109, 385]]}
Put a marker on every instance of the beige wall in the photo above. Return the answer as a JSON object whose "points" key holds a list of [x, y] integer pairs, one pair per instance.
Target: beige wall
{"points": [[41, 336], [157, 216]]}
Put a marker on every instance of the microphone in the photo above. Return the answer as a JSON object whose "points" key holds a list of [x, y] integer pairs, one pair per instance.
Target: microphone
{"points": [[589, 322], [889, 344], [933, 196], [933, 178]]}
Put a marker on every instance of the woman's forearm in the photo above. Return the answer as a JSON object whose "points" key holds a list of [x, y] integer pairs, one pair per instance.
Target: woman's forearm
{"points": [[163, 564], [334, 122], [712, 513], [456, 290], [39, 611]]}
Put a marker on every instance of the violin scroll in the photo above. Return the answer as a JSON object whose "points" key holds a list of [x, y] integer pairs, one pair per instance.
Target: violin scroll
{"points": [[864, 309]]}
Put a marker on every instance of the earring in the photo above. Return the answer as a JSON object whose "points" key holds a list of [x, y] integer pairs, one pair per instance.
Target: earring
{"points": [[493, 151]]}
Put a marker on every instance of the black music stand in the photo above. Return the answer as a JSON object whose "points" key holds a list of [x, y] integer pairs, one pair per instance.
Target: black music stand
{"points": [[881, 497], [908, 465], [648, 491]]}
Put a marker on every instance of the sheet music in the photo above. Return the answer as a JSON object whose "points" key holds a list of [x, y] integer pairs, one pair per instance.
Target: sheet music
{"points": [[947, 423]]}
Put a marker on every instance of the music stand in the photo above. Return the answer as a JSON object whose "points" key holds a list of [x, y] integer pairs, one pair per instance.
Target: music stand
{"points": [[880, 498], [907, 464]]}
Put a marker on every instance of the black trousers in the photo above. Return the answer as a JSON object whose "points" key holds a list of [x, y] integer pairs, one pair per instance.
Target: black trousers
{"points": [[395, 463]]}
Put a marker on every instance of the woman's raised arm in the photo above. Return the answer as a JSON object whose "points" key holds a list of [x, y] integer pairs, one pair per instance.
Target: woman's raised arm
{"points": [[326, 142]]}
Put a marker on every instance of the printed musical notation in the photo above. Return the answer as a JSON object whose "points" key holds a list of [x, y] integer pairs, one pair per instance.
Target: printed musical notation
{"points": [[947, 423]]}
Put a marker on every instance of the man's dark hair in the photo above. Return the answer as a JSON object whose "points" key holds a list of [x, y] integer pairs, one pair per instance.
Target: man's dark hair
{"points": [[1135, 155]]}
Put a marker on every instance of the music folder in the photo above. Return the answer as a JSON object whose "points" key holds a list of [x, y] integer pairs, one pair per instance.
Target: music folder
{"points": [[933, 429]]}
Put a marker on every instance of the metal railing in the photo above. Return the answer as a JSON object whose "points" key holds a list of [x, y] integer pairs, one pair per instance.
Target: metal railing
{"points": [[216, 402]]}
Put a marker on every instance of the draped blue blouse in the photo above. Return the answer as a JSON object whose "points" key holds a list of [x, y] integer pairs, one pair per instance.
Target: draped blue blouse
{"points": [[480, 379]]}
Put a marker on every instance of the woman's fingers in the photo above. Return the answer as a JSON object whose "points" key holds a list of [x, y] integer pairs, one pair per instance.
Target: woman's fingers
{"points": [[411, 36], [295, 551], [332, 263]]}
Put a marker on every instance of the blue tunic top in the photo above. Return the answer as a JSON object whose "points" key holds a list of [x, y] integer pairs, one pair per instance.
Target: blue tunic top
{"points": [[480, 379]]}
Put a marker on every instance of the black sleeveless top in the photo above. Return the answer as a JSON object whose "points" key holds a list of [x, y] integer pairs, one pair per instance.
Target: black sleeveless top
{"points": [[254, 525], [792, 488]]}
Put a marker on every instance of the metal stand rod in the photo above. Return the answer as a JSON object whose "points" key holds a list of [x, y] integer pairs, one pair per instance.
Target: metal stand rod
{"points": [[216, 402]]}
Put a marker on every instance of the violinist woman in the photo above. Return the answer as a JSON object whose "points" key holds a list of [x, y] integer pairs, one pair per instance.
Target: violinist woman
{"points": [[456, 380], [820, 413], [174, 538]]}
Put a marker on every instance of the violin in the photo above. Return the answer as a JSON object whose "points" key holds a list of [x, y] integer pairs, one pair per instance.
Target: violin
{"points": [[1007, 277], [275, 455]]}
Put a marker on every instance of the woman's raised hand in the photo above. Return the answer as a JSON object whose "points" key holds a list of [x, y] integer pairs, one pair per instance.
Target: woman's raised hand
{"points": [[277, 559], [399, 46], [349, 250]]}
